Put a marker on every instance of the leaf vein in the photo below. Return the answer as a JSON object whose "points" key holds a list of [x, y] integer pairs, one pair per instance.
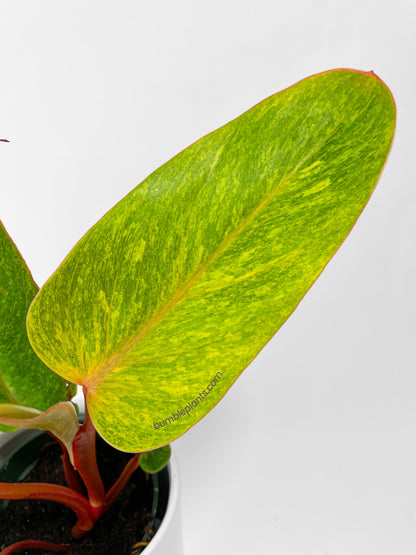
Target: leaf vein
{"points": [[96, 377]]}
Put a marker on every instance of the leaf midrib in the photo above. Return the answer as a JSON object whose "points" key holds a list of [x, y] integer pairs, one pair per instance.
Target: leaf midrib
{"points": [[94, 379]]}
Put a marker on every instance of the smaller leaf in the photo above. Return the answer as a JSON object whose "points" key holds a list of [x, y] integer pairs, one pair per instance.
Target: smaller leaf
{"points": [[60, 420], [154, 461]]}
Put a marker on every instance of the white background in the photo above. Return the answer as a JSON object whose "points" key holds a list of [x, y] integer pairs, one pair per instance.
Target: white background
{"points": [[313, 450]]}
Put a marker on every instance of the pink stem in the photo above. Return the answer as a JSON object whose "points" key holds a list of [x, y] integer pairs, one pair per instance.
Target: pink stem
{"points": [[122, 480], [60, 494], [34, 544], [85, 461], [71, 477]]}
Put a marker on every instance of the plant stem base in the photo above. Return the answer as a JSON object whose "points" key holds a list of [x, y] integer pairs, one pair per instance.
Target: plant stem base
{"points": [[119, 530]]}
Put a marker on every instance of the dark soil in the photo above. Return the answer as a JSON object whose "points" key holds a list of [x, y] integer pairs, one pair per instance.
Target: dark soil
{"points": [[121, 527]]}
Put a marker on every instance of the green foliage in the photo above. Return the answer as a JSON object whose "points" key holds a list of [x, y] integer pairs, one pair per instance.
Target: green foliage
{"points": [[24, 378], [154, 461], [164, 302]]}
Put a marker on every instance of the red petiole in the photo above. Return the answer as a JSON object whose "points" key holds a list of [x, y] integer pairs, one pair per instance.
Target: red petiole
{"points": [[89, 507], [85, 462], [124, 477], [35, 544]]}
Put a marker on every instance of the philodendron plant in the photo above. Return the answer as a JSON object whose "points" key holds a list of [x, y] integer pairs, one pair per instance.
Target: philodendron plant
{"points": [[161, 305]]}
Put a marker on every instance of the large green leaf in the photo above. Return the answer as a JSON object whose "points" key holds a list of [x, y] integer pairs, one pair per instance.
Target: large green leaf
{"points": [[24, 378], [165, 301]]}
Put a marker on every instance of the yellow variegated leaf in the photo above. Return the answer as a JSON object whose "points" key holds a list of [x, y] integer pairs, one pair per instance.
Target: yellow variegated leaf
{"points": [[164, 302]]}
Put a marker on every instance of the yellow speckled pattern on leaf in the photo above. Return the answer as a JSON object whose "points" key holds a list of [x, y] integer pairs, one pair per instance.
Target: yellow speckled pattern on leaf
{"points": [[163, 303]]}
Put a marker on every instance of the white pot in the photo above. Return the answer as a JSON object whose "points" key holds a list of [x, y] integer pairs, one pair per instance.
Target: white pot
{"points": [[168, 538]]}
